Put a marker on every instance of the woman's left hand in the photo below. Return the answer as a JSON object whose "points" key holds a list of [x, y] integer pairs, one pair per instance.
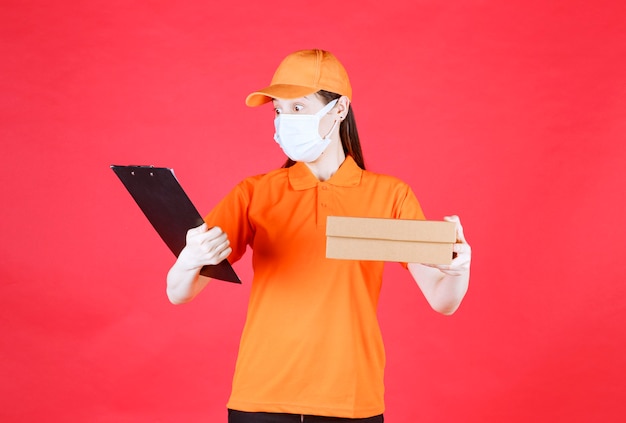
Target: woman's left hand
{"points": [[463, 252]]}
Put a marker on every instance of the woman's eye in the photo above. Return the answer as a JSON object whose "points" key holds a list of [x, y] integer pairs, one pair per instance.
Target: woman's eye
{"points": [[276, 111], [298, 107]]}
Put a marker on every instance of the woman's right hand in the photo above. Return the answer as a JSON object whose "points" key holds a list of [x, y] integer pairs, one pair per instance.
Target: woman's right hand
{"points": [[204, 246]]}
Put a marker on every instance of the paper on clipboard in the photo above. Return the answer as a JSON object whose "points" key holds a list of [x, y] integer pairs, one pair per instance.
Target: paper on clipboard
{"points": [[170, 211]]}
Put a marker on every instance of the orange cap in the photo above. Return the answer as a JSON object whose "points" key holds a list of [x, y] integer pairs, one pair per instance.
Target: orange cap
{"points": [[302, 73]]}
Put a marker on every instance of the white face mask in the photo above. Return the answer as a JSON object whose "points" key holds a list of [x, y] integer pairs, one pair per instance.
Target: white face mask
{"points": [[299, 135]]}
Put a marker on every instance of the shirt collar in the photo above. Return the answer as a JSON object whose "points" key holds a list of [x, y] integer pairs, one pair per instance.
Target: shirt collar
{"points": [[348, 175]]}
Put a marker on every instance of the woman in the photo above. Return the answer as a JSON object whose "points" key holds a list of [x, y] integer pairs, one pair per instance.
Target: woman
{"points": [[311, 348]]}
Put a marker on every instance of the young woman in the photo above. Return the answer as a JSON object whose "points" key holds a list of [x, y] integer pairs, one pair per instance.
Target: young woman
{"points": [[311, 348]]}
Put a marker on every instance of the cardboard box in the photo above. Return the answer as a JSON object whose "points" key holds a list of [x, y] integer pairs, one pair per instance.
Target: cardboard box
{"points": [[410, 241]]}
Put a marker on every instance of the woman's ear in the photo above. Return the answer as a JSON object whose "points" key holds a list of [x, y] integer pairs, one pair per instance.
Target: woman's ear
{"points": [[343, 105]]}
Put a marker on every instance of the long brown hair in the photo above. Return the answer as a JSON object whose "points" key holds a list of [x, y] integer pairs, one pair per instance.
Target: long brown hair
{"points": [[347, 132]]}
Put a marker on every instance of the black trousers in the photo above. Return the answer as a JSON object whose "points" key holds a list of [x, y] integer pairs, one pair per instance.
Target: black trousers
{"points": [[235, 416]]}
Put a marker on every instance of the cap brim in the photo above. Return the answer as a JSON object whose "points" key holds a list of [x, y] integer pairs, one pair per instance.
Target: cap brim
{"points": [[282, 91]]}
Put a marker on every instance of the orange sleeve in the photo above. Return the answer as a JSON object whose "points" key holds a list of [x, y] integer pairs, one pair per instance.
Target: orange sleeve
{"points": [[231, 214], [408, 205]]}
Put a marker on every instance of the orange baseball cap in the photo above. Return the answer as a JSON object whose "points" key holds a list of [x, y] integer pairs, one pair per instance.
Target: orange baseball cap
{"points": [[302, 73]]}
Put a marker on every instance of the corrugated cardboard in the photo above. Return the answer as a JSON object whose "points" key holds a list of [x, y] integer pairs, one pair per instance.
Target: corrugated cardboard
{"points": [[410, 241]]}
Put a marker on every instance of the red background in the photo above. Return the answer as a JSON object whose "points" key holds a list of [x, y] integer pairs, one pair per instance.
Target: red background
{"points": [[510, 114]]}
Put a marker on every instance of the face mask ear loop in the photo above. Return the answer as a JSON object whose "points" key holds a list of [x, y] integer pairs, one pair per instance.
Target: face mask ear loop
{"points": [[331, 130], [327, 108], [330, 106]]}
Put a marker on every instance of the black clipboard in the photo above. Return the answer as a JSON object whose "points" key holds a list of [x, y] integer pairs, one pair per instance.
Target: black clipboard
{"points": [[170, 211]]}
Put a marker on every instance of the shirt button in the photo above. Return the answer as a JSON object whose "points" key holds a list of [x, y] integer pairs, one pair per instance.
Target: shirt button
{"points": [[324, 187]]}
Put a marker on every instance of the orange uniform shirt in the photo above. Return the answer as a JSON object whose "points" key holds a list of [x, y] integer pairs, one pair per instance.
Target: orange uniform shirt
{"points": [[311, 343]]}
